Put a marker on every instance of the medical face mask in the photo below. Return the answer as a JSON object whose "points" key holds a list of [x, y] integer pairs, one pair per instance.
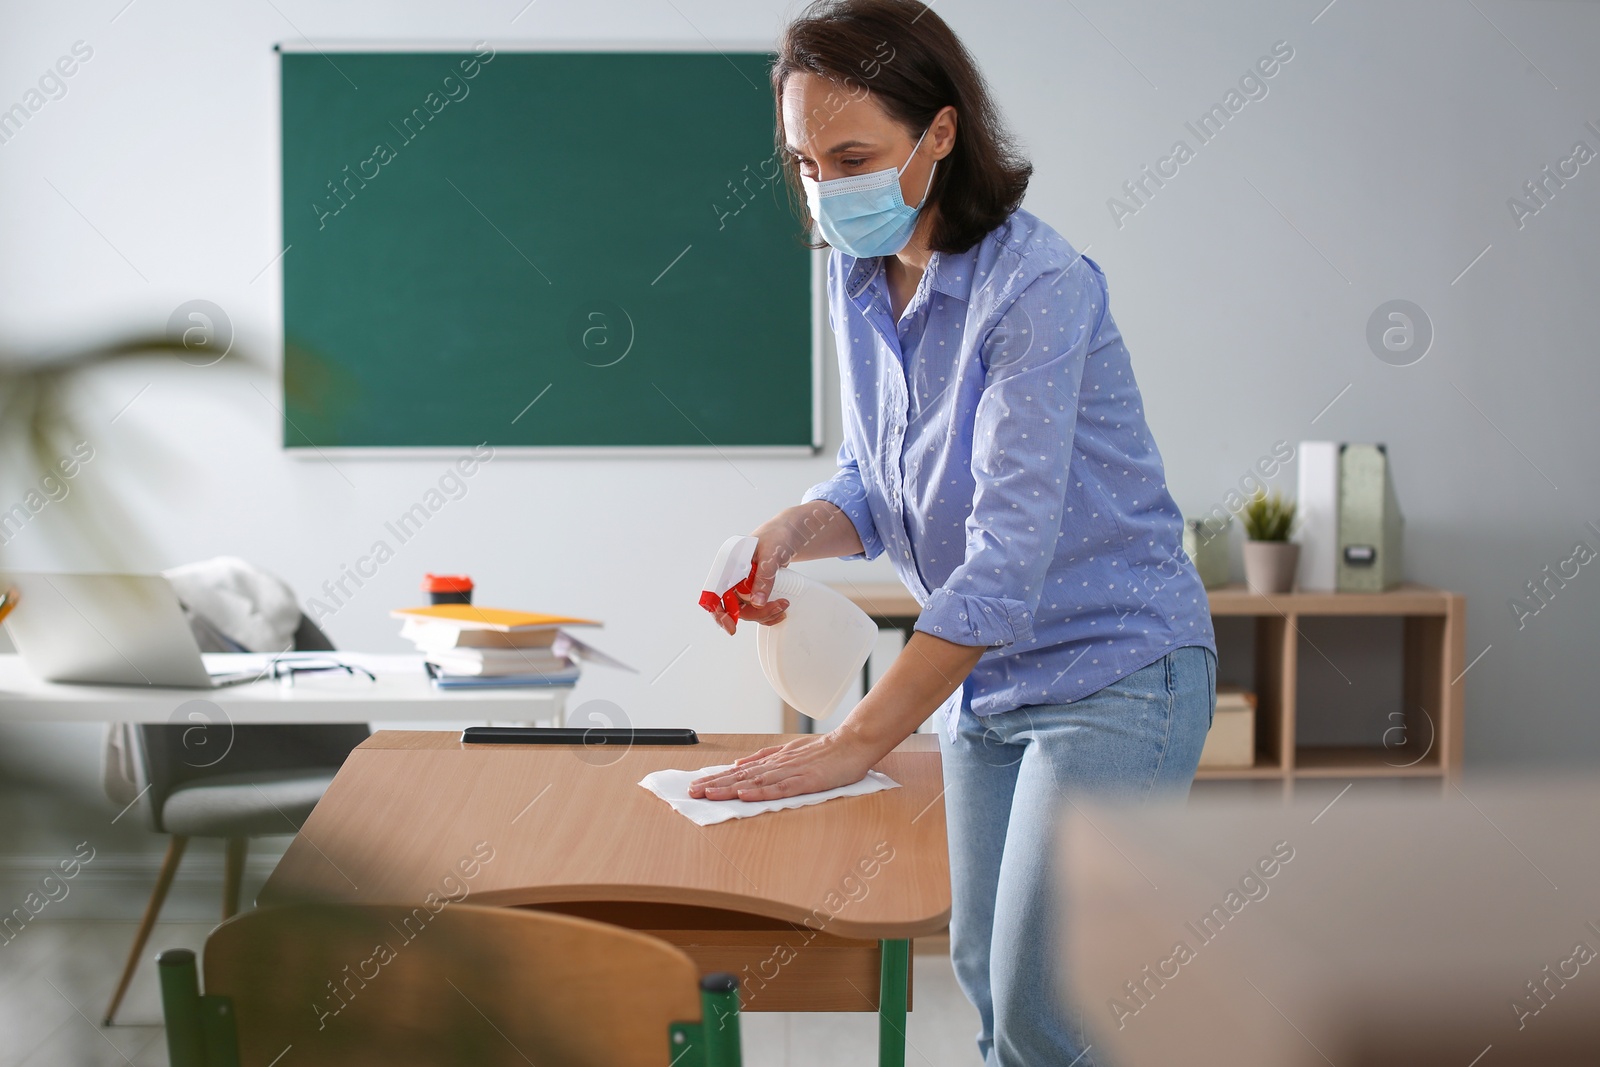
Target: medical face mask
{"points": [[864, 215]]}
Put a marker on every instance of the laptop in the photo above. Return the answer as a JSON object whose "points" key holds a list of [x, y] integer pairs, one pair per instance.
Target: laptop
{"points": [[108, 629]]}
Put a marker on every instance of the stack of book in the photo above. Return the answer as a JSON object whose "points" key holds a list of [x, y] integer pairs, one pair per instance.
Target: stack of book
{"points": [[467, 646]]}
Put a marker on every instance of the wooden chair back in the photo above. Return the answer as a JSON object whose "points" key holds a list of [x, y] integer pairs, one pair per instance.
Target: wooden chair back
{"points": [[441, 983]]}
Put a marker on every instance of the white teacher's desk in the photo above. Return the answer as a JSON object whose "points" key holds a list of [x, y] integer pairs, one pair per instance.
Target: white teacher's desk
{"points": [[402, 692]]}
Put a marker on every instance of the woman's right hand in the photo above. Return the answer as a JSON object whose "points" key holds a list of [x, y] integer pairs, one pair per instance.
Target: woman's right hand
{"points": [[813, 530], [774, 549]]}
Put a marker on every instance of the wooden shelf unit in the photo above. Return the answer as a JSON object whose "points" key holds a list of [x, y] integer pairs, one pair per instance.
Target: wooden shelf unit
{"points": [[1433, 658], [1433, 655]]}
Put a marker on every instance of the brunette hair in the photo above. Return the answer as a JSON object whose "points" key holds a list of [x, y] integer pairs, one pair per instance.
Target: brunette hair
{"points": [[906, 55]]}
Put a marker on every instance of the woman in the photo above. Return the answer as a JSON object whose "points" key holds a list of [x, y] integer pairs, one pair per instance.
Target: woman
{"points": [[996, 449]]}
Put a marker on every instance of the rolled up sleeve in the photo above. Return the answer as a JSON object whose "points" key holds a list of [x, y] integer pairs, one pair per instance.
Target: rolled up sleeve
{"points": [[1022, 447], [846, 491]]}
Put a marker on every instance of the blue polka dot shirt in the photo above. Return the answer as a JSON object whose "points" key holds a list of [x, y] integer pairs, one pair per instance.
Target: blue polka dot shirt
{"points": [[995, 447]]}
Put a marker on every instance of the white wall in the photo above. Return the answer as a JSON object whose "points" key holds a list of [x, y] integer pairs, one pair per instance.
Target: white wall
{"points": [[1378, 166]]}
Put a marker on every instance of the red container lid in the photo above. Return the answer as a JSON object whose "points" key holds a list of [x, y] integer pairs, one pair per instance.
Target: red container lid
{"points": [[446, 583]]}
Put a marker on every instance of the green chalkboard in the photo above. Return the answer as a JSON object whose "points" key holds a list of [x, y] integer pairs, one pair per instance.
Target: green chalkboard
{"points": [[556, 249]]}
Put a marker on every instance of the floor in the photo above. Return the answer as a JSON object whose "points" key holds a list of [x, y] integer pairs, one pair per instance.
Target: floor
{"points": [[55, 978]]}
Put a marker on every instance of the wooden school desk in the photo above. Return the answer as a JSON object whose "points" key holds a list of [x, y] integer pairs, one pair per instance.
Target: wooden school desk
{"points": [[813, 908]]}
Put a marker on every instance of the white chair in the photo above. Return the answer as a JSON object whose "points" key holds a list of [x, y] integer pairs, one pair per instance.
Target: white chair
{"points": [[230, 782]]}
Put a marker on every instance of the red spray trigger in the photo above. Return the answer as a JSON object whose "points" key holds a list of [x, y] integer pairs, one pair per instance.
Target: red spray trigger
{"points": [[732, 573]]}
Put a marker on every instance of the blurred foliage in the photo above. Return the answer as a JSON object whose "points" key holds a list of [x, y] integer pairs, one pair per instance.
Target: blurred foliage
{"points": [[40, 425]]}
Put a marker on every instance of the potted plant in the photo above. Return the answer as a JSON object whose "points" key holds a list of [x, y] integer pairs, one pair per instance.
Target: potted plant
{"points": [[1270, 557]]}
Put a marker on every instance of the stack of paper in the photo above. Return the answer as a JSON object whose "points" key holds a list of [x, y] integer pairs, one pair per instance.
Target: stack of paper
{"points": [[470, 646]]}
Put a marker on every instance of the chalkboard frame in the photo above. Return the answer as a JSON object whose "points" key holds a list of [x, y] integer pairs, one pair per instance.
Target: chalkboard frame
{"points": [[818, 264]]}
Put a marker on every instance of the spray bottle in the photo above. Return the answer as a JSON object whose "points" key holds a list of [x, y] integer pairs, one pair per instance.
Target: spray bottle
{"points": [[813, 655]]}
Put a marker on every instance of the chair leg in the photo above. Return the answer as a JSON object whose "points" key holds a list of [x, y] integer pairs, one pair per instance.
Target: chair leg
{"points": [[158, 896], [234, 876]]}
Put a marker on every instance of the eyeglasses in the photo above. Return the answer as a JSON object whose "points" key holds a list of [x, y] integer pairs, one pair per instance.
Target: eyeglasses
{"points": [[286, 670]]}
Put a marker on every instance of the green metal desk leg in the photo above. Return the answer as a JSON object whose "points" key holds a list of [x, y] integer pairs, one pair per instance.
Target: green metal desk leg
{"points": [[893, 985], [180, 1007]]}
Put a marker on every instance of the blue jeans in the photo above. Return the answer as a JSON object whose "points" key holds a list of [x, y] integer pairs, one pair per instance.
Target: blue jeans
{"points": [[1006, 777]]}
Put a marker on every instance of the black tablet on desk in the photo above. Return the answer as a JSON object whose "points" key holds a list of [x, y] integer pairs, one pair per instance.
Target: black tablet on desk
{"points": [[569, 735]]}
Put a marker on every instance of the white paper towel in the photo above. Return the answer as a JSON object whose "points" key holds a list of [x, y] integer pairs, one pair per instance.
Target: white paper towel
{"points": [[673, 787]]}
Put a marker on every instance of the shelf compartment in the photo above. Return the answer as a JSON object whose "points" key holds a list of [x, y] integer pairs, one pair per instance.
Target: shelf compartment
{"points": [[1362, 761], [1265, 767]]}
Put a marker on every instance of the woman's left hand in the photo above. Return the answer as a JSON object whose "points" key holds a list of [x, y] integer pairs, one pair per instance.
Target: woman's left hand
{"points": [[804, 765]]}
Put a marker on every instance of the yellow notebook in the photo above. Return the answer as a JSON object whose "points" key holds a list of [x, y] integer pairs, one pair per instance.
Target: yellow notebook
{"points": [[472, 617]]}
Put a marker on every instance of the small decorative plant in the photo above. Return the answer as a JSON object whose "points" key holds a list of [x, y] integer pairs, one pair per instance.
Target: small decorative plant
{"points": [[1268, 518]]}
